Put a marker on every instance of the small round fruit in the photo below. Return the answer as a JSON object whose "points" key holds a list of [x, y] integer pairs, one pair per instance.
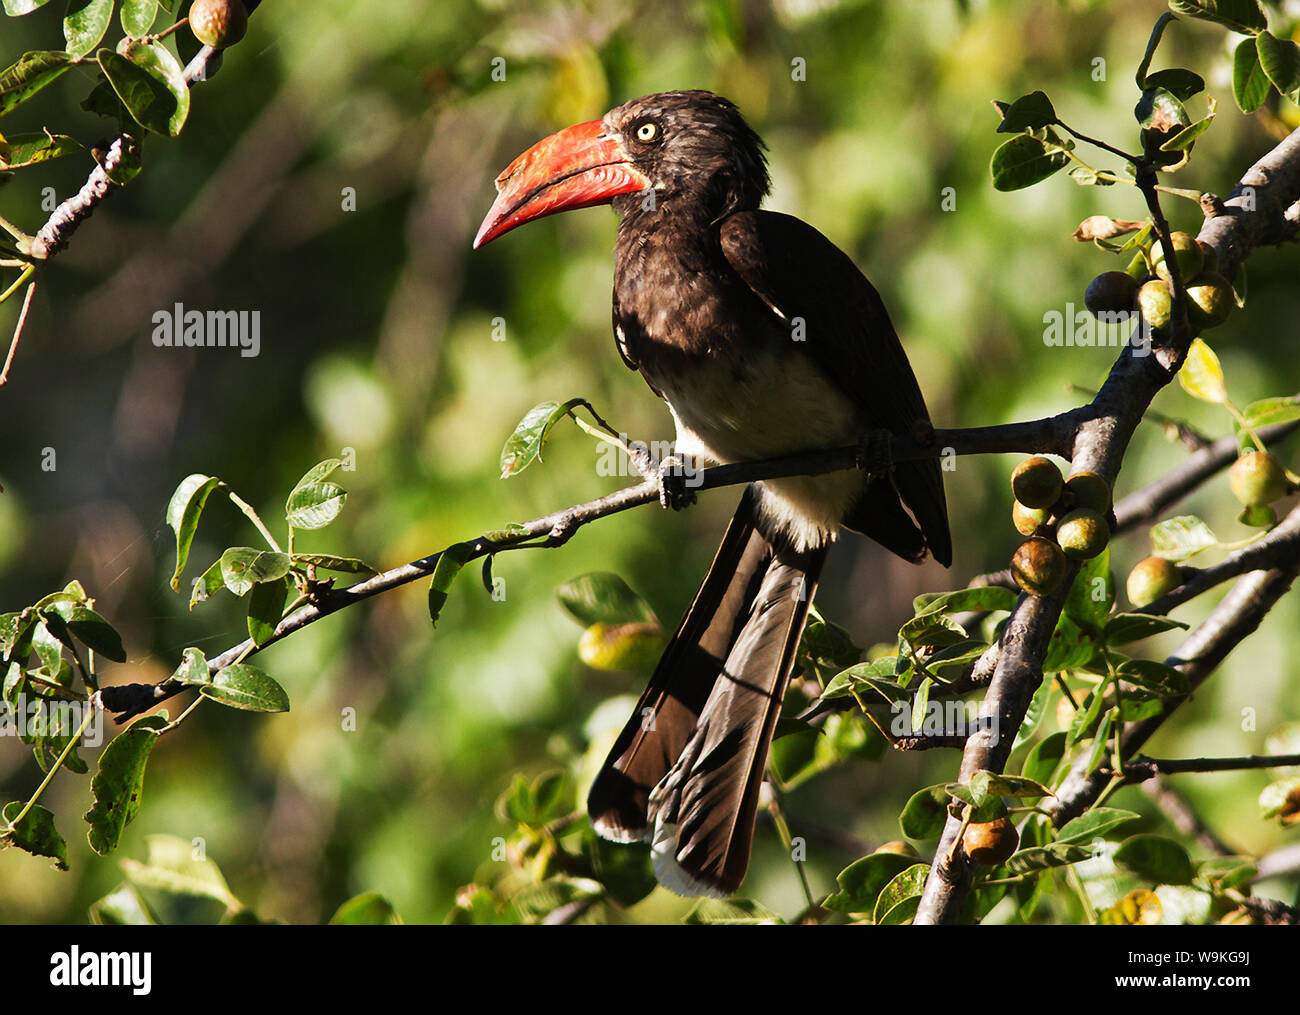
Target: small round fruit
{"points": [[620, 646], [1036, 482], [1038, 565], [1089, 490], [1083, 534], [1152, 578], [1186, 253], [1156, 304], [218, 23], [1257, 479], [1209, 300], [1027, 520], [1111, 292], [990, 842], [1209, 258], [901, 848]]}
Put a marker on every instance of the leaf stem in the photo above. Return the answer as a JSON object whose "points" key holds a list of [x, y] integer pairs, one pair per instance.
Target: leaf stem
{"points": [[252, 516]]}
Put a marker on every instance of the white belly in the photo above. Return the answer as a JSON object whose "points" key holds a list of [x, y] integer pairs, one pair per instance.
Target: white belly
{"points": [[723, 418]]}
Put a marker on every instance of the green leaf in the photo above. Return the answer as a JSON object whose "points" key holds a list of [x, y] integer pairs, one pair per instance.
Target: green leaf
{"points": [[29, 75], [1186, 137], [314, 505], [206, 584], [122, 907], [1223, 873], [193, 670], [1280, 59], [1178, 81], [450, 563], [183, 511], [370, 909], [601, 597], [138, 17], [1093, 824], [88, 627], [905, 886], [730, 911], [119, 784], [150, 83], [1156, 858], [524, 446], [1023, 161], [987, 598], [872, 677], [1178, 538], [1071, 647], [84, 25], [328, 562], [1242, 16], [1044, 757], [621, 646], [624, 869], [265, 607], [1126, 627], [925, 812], [1027, 113], [1153, 41], [1159, 109], [535, 902], [1036, 858], [35, 834], [1250, 85], [1092, 594], [17, 8], [19, 150], [1157, 677], [173, 865], [862, 881], [242, 567], [1266, 412], [246, 687]]}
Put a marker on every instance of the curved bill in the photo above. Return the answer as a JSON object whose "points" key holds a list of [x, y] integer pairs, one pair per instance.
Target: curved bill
{"points": [[575, 168]]}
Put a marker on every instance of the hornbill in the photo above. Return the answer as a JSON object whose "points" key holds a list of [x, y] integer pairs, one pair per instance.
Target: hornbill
{"points": [[765, 340]]}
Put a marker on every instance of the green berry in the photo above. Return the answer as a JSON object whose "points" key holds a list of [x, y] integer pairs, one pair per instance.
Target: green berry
{"points": [[1036, 482], [1186, 252], [1152, 578], [1156, 304], [1257, 479], [1027, 520], [1209, 300], [1083, 534], [1089, 490]]}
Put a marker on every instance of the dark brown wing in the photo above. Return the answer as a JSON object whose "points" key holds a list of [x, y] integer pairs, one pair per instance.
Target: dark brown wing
{"points": [[799, 273]]}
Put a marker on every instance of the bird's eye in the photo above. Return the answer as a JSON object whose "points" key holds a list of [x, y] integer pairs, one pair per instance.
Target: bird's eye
{"points": [[647, 131]]}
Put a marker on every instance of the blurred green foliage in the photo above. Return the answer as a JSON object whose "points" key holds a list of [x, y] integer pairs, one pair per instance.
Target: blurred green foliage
{"points": [[379, 333]]}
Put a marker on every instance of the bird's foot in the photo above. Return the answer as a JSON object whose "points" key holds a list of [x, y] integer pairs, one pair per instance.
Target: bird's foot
{"points": [[875, 451], [675, 482]]}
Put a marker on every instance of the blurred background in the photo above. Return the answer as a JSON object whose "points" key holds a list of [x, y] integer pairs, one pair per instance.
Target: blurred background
{"points": [[377, 334]]}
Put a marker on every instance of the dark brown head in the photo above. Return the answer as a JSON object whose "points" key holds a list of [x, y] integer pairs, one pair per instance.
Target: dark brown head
{"points": [[690, 146]]}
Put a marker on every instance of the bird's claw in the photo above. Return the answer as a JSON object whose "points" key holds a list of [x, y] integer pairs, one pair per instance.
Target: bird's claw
{"points": [[674, 490], [875, 452]]}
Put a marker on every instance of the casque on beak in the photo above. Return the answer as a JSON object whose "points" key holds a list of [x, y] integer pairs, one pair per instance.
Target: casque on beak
{"points": [[577, 167]]}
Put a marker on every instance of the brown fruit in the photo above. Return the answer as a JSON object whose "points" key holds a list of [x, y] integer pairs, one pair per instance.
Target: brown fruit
{"points": [[1186, 252], [1152, 578], [1111, 292], [1036, 483], [1257, 479], [901, 848], [1083, 534], [1038, 565], [990, 842], [218, 23], [1027, 520]]}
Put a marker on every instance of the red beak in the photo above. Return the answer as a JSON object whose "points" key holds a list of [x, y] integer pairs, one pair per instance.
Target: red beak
{"points": [[575, 168]]}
